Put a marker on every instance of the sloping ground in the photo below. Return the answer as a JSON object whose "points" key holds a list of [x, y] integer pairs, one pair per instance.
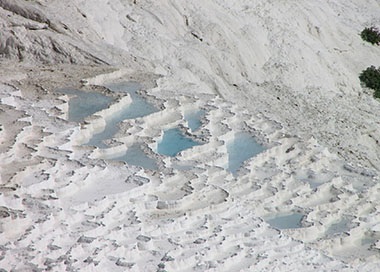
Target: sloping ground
{"points": [[28, 35], [298, 63], [285, 69]]}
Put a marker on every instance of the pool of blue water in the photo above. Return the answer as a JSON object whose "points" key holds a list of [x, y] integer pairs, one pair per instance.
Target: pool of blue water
{"points": [[291, 221], [339, 227], [368, 241], [136, 156], [173, 142], [84, 104], [243, 147], [194, 119], [139, 107], [313, 184]]}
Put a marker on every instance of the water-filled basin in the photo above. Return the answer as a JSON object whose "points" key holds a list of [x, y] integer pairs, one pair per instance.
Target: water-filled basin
{"points": [[173, 142], [139, 107], [291, 221], [136, 156], [193, 119], [83, 104], [240, 149]]}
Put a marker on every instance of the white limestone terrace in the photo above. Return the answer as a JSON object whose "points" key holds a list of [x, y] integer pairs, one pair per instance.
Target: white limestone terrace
{"points": [[74, 211], [284, 72]]}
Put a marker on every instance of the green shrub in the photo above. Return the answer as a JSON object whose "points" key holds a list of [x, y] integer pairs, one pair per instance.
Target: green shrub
{"points": [[370, 77], [371, 35]]}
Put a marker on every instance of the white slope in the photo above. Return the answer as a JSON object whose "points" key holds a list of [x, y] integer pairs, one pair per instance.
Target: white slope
{"points": [[291, 57], [285, 70]]}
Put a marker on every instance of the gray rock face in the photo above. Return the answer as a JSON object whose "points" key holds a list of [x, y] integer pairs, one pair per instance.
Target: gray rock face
{"points": [[27, 34]]}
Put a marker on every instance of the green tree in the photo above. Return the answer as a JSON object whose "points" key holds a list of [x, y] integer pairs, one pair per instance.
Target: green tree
{"points": [[371, 35], [370, 77]]}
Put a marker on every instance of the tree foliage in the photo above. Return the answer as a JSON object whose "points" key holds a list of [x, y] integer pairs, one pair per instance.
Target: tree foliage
{"points": [[370, 77], [371, 34]]}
